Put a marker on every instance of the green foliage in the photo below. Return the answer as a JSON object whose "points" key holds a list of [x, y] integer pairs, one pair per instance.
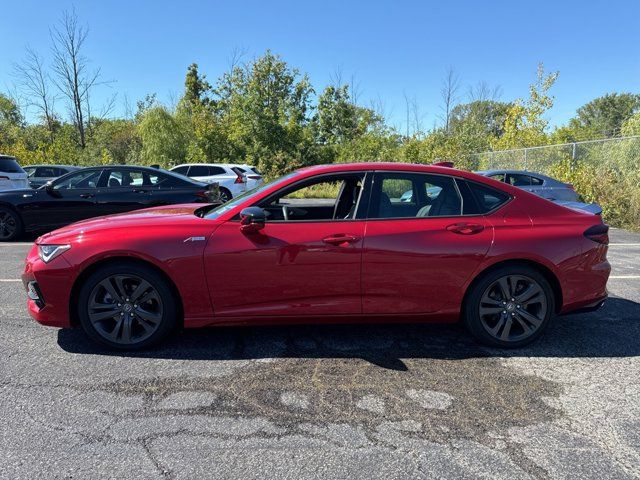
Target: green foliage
{"points": [[163, 140], [604, 116], [525, 124], [266, 113]]}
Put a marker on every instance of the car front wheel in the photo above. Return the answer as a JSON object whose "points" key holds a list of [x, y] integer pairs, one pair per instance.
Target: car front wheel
{"points": [[126, 306], [509, 307]]}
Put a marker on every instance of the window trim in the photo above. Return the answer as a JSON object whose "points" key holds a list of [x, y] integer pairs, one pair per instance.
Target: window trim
{"points": [[455, 181], [366, 174]]}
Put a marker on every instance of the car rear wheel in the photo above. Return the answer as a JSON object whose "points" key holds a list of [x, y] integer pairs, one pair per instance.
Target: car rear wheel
{"points": [[225, 195], [127, 306], [509, 307], [10, 225]]}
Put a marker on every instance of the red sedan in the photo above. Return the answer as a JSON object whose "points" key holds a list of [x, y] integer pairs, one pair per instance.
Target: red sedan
{"points": [[327, 244]]}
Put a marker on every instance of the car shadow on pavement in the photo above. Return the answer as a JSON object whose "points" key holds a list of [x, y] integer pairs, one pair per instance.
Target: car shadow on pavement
{"points": [[612, 331]]}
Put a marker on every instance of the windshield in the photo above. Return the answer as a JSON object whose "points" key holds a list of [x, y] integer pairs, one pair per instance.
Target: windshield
{"points": [[254, 192]]}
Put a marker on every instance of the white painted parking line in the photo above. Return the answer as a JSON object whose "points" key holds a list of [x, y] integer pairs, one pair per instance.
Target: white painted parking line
{"points": [[9, 280], [624, 244], [624, 276], [16, 244]]}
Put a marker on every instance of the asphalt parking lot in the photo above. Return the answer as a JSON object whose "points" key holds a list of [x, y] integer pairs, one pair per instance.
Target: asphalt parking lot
{"points": [[386, 401]]}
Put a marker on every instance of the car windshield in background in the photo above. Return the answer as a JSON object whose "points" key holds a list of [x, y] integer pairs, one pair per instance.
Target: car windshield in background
{"points": [[9, 165], [225, 207]]}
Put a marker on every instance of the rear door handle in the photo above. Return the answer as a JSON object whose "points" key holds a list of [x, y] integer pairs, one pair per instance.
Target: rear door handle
{"points": [[86, 195], [139, 190], [464, 228], [340, 238]]}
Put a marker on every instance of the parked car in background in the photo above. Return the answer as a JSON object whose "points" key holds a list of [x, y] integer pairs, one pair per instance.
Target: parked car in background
{"points": [[12, 176], [546, 187], [541, 185], [92, 192], [464, 254], [41, 174], [233, 179]]}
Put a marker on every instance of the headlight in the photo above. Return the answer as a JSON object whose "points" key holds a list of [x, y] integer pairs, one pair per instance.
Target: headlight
{"points": [[49, 252]]}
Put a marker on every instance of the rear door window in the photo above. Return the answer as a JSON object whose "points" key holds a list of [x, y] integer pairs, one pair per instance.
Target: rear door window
{"points": [[519, 180], [199, 171], [406, 195]]}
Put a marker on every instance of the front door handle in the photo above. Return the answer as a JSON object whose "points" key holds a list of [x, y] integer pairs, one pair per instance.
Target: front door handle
{"points": [[139, 190], [464, 228], [86, 195], [340, 239]]}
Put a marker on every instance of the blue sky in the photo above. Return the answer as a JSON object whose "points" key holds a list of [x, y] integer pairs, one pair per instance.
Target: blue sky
{"points": [[389, 48]]}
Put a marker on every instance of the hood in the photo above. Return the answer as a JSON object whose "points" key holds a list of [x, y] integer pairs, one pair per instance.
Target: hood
{"points": [[170, 216]]}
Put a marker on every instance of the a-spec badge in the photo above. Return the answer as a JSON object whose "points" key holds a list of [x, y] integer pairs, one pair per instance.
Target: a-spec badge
{"points": [[194, 239]]}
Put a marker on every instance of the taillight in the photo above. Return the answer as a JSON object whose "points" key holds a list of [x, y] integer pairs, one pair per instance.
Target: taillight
{"points": [[239, 178], [2, 177], [571, 187], [598, 233]]}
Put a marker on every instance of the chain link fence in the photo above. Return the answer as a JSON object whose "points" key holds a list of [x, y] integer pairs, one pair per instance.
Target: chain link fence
{"points": [[603, 171], [617, 153]]}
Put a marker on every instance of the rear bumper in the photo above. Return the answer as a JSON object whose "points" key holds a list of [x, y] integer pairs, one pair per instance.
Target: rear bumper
{"points": [[591, 306]]}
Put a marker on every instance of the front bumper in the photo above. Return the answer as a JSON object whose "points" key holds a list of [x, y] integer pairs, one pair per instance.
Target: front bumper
{"points": [[48, 288]]}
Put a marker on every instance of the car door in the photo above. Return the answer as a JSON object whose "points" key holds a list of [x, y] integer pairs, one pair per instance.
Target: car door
{"points": [[418, 255], [304, 262], [69, 199], [123, 190]]}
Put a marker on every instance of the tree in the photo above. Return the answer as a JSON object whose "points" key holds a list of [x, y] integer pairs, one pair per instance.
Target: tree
{"points": [[486, 117], [604, 116], [70, 67], [163, 140], [265, 107], [525, 124], [196, 87], [35, 87], [449, 91], [338, 119], [9, 111]]}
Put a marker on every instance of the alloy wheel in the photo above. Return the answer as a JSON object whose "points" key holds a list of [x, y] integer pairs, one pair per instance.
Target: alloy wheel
{"points": [[125, 309], [8, 225], [513, 308], [224, 196]]}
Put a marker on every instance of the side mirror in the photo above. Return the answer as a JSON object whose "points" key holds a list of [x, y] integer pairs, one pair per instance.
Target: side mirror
{"points": [[48, 187], [252, 219]]}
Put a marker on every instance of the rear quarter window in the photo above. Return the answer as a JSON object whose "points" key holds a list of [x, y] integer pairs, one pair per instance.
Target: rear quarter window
{"points": [[480, 199]]}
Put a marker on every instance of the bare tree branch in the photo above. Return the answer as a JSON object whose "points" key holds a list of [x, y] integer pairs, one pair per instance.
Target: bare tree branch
{"points": [[35, 86], [449, 91], [71, 75]]}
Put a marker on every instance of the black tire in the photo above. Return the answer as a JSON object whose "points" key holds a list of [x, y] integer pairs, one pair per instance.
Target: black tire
{"points": [[488, 313], [11, 226], [225, 195], [94, 300]]}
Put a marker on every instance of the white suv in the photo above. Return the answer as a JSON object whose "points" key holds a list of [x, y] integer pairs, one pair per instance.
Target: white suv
{"points": [[12, 176], [233, 179]]}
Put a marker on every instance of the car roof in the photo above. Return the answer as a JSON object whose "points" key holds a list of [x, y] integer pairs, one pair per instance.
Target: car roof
{"points": [[73, 167], [387, 166], [211, 165]]}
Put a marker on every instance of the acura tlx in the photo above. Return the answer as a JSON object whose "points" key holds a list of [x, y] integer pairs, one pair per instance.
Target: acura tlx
{"points": [[327, 244]]}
